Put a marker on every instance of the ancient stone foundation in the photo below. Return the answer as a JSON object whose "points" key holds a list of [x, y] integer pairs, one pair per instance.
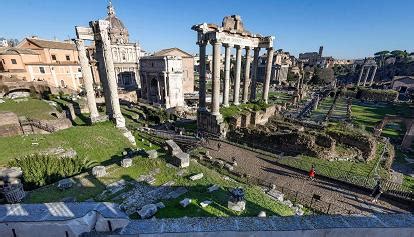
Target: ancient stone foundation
{"points": [[210, 123]]}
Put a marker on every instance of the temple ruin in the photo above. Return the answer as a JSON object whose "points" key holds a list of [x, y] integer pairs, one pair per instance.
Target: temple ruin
{"points": [[230, 35]]}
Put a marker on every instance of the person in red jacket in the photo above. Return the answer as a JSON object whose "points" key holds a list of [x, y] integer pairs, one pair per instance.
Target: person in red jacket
{"points": [[312, 173]]}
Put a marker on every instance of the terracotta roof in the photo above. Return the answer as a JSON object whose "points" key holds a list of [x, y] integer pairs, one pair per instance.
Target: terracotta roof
{"points": [[51, 44], [165, 52], [16, 51]]}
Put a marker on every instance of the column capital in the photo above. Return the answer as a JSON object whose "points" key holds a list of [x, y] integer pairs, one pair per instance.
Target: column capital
{"points": [[228, 45], [238, 46], [247, 47], [202, 42], [215, 42]]}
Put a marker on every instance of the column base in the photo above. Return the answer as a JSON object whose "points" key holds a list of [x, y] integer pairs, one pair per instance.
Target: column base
{"points": [[211, 123], [119, 121], [99, 119]]}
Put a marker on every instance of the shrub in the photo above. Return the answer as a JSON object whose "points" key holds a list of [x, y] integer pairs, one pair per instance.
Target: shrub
{"points": [[376, 95], [39, 170]]}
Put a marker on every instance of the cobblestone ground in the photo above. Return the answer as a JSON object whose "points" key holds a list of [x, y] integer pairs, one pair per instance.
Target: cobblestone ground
{"points": [[263, 167]]}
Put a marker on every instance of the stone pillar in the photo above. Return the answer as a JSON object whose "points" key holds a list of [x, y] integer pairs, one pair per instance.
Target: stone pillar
{"points": [[246, 76], [360, 75], [202, 77], [236, 91], [87, 79], [110, 72], [103, 77], [215, 100], [268, 73], [373, 75], [254, 74], [366, 75], [226, 90]]}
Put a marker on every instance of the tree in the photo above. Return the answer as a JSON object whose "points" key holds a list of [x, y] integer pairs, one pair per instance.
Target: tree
{"points": [[323, 76], [399, 53]]}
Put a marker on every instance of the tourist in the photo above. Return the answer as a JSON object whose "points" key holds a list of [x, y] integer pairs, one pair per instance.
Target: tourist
{"points": [[218, 146], [376, 193], [312, 173]]}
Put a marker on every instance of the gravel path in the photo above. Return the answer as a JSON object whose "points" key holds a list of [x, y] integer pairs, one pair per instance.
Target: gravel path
{"points": [[264, 167]]}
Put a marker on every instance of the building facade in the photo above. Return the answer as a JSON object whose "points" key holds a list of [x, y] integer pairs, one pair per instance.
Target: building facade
{"points": [[125, 54], [35, 59], [162, 80]]}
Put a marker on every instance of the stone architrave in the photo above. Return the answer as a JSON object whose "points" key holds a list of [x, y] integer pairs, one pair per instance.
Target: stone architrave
{"points": [[202, 79], [254, 74], [226, 89], [102, 27], [246, 82], [87, 79], [215, 103], [267, 75], [236, 92]]}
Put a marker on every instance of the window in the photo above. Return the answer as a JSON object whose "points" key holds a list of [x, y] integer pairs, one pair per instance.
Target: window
{"points": [[42, 70], [67, 58], [13, 61], [53, 57]]}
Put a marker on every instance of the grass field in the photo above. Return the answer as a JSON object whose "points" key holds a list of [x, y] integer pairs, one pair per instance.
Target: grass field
{"points": [[256, 199], [33, 108], [99, 142]]}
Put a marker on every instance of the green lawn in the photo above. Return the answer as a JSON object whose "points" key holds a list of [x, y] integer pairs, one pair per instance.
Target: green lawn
{"points": [[33, 108], [234, 110], [256, 200], [99, 142], [370, 115]]}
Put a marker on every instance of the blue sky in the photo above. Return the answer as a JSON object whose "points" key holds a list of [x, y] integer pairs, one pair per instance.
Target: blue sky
{"points": [[346, 29]]}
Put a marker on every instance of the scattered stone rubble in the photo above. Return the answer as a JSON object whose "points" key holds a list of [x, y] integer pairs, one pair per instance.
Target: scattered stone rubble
{"points": [[179, 158], [99, 171]]}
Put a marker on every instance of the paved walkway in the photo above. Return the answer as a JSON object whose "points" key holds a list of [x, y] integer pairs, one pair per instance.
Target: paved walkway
{"points": [[264, 167]]}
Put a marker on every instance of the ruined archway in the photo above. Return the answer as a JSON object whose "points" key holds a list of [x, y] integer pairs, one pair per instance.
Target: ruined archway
{"points": [[409, 126]]}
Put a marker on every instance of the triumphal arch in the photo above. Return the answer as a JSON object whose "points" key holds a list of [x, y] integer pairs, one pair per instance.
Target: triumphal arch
{"points": [[231, 34]]}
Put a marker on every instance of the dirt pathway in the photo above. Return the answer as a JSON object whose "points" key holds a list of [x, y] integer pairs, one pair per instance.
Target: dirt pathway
{"points": [[264, 167]]}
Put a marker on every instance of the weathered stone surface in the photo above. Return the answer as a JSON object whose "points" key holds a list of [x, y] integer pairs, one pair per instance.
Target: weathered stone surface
{"points": [[152, 154], [205, 203], [116, 186], [213, 188], [126, 163], [65, 183], [185, 202], [160, 205], [236, 206], [173, 148], [176, 193], [197, 177], [148, 211], [99, 171], [273, 193], [262, 214], [181, 160], [288, 203]]}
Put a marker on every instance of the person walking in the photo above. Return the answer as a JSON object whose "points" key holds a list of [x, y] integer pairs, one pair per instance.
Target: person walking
{"points": [[376, 192], [312, 173], [218, 146]]}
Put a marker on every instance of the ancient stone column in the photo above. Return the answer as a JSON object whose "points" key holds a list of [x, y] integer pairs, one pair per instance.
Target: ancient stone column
{"points": [[254, 74], [268, 73], [366, 75], [87, 79], [103, 77], [246, 76], [202, 77], [110, 72], [215, 100], [236, 91], [373, 75], [360, 75], [226, 90]]}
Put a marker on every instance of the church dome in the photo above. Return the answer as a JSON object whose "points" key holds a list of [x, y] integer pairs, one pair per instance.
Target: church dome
{"points": [[118, 33]]}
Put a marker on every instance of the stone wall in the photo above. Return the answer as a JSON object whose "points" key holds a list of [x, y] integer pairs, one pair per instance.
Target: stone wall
{"points": [[254, 118], [9, 124], [380, 225]]}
